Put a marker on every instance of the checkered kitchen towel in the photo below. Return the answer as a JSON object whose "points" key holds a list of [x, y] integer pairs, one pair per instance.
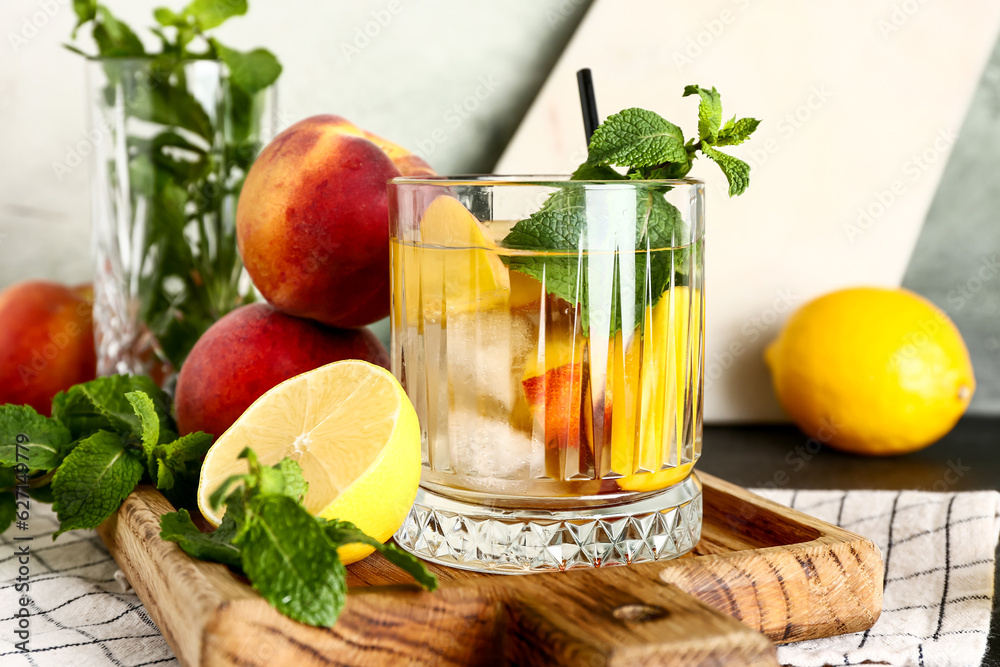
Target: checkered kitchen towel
{"points": [[80, 609], [938, 549]]}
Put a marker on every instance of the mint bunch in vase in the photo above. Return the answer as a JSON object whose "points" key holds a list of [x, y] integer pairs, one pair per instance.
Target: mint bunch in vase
{"points": [[177, 121]]}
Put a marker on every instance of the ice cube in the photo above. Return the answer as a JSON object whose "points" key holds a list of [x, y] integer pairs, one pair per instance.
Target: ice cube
{"points": [[485, 356], [490, 449]]}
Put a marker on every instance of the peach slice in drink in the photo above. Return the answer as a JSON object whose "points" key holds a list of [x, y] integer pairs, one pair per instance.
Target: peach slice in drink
{"points": [[459, 267], [554, 384]]}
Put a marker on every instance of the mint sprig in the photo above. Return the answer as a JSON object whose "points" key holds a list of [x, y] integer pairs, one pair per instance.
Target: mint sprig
{"points": [[289, 556], [649, 148], [105, 436]]}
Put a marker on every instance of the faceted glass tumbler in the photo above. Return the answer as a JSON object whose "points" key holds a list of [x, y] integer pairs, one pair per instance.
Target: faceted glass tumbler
{"points": [[172, 142], [550, 334]]}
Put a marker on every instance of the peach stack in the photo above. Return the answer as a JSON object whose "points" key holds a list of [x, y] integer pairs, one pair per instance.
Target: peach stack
{"points": [[313, 232]]}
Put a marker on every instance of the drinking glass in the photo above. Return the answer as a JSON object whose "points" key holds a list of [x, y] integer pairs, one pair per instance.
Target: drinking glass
{"points": [[549, 333]]}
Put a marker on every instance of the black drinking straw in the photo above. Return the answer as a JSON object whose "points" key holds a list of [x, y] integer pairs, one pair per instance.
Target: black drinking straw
{"points": [[587, 102]]}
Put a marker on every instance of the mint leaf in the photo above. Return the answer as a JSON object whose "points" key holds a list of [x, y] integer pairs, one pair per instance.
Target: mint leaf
{"points": [[8, 509], [589, 171], [215, 546], [290, 561], [737, 171], [149, 422], [93, 480], [709, 111], [637, 138], [101, 404], [42, 494], [295, 485], [736, 132], [85, 11], [43, 441], [284, 478], [345, 532], [222, 493], [180, 458], [213, 13], [252, 71], [166, 17], [8, 478], [114, 38], [644, 266]]}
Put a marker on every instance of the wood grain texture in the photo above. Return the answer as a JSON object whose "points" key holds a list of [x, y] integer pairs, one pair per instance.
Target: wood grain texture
{"points": [[759, 568]]}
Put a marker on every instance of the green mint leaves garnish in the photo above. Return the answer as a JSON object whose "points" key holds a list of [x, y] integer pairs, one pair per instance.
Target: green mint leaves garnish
{"points": [[562, 223], [649, 148], [289, 556], [105, 436]]}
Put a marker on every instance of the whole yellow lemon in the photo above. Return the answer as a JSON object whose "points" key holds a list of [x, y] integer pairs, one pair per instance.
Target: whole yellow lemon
{"points": [[872, 371]]}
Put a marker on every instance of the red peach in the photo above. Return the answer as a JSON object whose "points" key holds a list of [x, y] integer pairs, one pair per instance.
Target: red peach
{"points": [[46, 341], [312, 221], [252, 349]]}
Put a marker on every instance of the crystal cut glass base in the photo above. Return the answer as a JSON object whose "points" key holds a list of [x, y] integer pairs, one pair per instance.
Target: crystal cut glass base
{"points": [[473, 537]]}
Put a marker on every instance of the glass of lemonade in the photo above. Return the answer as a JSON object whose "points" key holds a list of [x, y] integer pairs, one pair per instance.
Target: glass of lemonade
{"points": [[549, 333]]}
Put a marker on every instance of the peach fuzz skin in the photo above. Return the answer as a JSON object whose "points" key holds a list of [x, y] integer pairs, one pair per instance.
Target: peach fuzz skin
{"points": [[251, 350], [46, 342], [312, 221]]}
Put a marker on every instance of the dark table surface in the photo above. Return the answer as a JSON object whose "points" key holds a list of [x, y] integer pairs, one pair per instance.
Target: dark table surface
{"points": [[967, 459]]}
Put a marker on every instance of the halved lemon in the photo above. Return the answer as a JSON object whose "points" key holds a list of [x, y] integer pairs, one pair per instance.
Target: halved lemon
{"points": [[456, 267], [353, 430]]}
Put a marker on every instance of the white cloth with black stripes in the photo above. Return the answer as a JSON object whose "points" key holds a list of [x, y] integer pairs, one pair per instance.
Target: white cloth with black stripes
{"points": [[938, 549], [80, 610]]}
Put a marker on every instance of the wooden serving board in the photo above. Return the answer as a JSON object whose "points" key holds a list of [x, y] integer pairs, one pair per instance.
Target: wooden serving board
{"points": [[760, 572]]}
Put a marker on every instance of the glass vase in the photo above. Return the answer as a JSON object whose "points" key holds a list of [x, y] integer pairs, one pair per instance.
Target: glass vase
{"points": [[172, 143]]}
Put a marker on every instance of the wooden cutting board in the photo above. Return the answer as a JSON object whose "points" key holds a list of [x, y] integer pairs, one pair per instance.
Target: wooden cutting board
{"points": [[759, 568]]}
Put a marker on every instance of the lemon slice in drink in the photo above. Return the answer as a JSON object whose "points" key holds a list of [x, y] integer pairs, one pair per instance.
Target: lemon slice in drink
{"points": [[353, 430], [456, 267], [658, 377]]}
